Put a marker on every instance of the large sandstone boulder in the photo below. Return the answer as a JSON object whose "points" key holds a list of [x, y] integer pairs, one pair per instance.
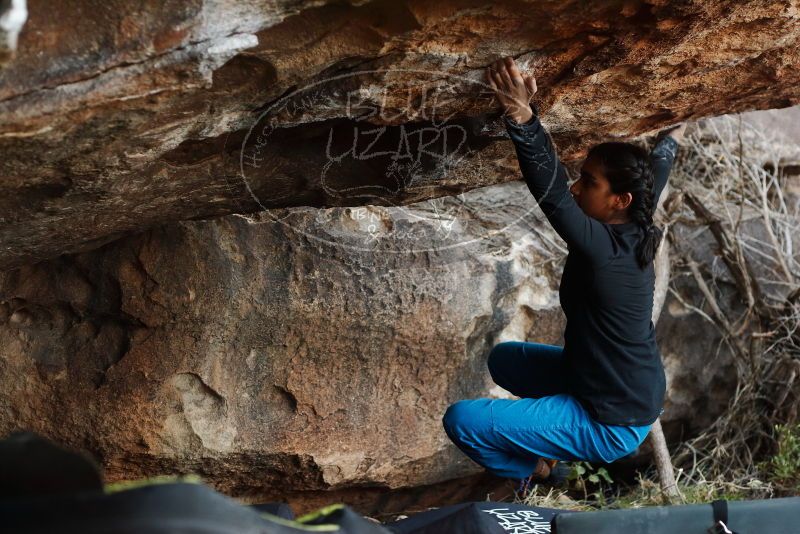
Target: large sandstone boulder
{"points": [[292, 351], [119, 116]]}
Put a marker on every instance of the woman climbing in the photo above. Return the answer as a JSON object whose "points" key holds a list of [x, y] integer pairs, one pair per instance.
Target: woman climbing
{"points": [[596, 398]]}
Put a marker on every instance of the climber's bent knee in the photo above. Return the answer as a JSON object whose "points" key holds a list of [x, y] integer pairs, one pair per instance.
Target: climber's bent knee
{"points": [[458, 415], [498, 356]]}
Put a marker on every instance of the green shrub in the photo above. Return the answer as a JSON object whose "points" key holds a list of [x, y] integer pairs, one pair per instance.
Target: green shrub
{"points": [[783, 469]]}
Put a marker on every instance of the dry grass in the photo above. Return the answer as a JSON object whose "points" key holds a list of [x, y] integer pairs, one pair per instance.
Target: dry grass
{"points": [[730, 181], [647, 492]]}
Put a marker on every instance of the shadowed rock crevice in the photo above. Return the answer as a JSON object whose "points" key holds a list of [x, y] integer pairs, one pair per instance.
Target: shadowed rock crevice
{"points": [[342, 162]]}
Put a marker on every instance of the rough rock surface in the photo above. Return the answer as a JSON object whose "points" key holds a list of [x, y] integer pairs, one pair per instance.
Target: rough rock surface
{"points": [[292, 351], [119, 116]]}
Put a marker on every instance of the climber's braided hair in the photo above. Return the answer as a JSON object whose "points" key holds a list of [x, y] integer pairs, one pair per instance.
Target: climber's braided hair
{"points": [[628, 169]]}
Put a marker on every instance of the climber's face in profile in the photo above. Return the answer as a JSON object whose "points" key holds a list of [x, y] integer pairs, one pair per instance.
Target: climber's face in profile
{"points": [[592, 192]]}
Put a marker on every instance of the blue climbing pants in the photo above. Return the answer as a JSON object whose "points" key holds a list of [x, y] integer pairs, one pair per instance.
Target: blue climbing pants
{"points": [[507, 436]]}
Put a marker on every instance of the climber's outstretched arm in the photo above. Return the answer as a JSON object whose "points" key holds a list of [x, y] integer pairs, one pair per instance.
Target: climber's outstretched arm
{"points": [[544, 174], [662, 157]]}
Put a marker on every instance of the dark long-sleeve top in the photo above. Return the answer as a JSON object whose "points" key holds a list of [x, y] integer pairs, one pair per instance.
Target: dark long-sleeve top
{"points": [[613, 363]]}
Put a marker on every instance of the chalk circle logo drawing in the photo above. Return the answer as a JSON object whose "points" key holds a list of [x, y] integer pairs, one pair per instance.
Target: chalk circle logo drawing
{"points": [[371, 142]]}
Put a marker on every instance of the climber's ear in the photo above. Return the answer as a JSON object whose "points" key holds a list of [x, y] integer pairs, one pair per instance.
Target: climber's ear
{"points": [[623, 201]]}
